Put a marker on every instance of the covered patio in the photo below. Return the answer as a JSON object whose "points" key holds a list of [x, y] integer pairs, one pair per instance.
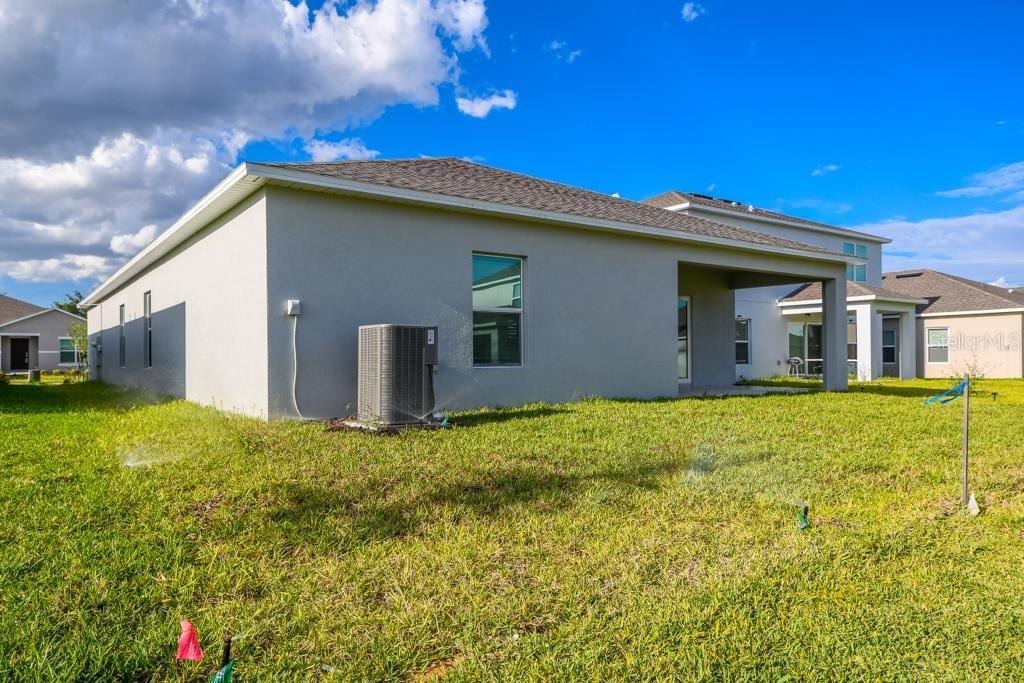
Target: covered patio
{"points": [[880, 332], [707, 320]]}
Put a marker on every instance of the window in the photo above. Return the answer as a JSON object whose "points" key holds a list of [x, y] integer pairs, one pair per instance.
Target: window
{"points": [[742, 341], [938, 345], [497, 310], [68, 354], [147, 330], [683, 339], [888, 346], [120, 337], [851, 344], [856, 273]]}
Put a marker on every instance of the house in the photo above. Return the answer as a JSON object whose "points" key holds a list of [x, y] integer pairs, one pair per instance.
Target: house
{"points": [[33, 337], [779, 329], [964, 325], [539, 290]]}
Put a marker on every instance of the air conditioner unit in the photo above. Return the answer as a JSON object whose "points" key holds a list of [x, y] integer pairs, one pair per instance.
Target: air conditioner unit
{"points": [[396, 374]]}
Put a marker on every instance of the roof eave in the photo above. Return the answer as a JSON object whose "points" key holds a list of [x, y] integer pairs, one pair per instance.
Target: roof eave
{"points": [[778, 221]]}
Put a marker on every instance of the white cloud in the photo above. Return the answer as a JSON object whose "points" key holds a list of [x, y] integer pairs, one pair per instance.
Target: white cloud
{"points": [[132, 243], [693, 11], [1003, 180], [351, 148], [562, 51], [1001, 281], [126, 113], [74, 267], [983, 246], [480, 107], [94, 70], [825, 170]]}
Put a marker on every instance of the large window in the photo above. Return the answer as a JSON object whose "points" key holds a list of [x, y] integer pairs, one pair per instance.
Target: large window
{"points": [[888, 346], [938, 345], [147, 330], [68, 354], [497, 310], [120, 336], [858, 273], [742, 341]]}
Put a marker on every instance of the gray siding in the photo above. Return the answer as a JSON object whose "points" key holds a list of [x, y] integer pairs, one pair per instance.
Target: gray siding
{"points": [[600, 308], [44, 351], [209, 318]]}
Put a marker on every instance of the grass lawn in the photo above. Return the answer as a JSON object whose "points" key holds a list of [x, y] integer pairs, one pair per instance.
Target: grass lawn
{"points": [[595, 541]]}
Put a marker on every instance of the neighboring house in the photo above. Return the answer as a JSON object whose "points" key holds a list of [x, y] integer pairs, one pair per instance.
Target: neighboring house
{"points": [[775, 324], [540, 291], [33, 337], [964, 325]]}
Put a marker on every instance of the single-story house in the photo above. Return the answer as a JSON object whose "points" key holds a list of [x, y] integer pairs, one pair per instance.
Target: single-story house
{"points": [[539, 290], [964, 325], [35, 338]]}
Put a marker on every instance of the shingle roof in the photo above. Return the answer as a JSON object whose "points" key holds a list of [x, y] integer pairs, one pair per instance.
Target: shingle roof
{"points": [[812, 292], [675, 197], [463, 179], [12, 309], [950, 293]]}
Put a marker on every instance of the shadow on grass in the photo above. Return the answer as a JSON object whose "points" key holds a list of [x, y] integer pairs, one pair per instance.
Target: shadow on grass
{"points": [[22, 399], [497, 416], [380, 510]]}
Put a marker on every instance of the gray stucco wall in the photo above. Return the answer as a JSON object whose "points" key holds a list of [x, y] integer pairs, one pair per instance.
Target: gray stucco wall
{"points": [[208, 315], [600, 308], [44, 350]]}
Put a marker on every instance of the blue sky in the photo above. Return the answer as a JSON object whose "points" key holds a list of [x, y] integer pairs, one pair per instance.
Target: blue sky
{"points": [[907, 121]]}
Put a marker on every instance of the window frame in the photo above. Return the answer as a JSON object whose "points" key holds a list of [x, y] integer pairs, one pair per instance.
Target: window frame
{"points": [[928, 346], [520, 311], [856, 272], [122, 351], [746, 322], [74, 351], [147, 329], [895, 356]]}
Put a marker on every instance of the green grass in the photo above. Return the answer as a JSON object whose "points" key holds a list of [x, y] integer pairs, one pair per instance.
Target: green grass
{"points": [[600, 540]]}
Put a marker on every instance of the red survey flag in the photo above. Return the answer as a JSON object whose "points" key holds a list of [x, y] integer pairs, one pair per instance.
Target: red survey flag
{"points": [[188, 643]]}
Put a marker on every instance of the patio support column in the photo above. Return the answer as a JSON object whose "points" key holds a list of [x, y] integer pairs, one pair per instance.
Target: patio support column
{"points": [[908, 345], [869, 342], [833, 326]]}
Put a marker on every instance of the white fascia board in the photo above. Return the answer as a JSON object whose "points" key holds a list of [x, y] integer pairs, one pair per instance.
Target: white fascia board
{"points": [[285, 175], [854, 299], [959, 314], [738, 213], [248, 177], [48, 310]]}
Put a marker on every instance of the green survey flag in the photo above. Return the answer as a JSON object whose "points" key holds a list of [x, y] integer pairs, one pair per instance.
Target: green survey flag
{"points": [[225, 674]]}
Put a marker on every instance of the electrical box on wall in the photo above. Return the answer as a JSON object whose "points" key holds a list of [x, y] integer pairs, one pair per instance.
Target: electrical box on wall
{"points": [[293, 307]]}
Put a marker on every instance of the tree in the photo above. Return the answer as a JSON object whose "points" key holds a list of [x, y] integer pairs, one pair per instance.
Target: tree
{"points": [[71, 303], [79, 333]]}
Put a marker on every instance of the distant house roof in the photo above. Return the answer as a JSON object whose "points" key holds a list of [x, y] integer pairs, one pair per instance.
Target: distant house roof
{"points": [[675, 198], [812, 292], [12, 309], [463, 179], [947, 293]]}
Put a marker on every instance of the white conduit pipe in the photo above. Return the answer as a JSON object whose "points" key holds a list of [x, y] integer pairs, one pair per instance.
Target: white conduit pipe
{"points": [[295, 365]]}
